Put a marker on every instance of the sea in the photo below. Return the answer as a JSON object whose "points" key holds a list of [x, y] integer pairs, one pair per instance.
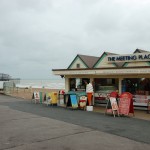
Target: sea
{"points": [[42, 83]]}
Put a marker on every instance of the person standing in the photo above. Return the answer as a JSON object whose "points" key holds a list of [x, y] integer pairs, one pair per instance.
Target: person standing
{"points": [[89, 91]]}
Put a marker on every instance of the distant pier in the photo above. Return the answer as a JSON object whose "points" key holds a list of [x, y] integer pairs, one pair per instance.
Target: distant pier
{"points": [[5, 77]]}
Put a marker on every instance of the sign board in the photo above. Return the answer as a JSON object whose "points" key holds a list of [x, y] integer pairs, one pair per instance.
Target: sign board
{"points": [[114, 104], [47, 99], [129, 57], [109, 71], [36, 97], [74, 102], [126, 104], [54, 98]]}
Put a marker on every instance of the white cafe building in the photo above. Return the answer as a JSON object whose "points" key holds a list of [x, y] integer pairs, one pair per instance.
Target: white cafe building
{"points": [[110, 72]]}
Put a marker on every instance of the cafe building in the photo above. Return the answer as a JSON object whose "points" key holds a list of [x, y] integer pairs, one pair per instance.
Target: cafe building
{"points": [[110, 72]]}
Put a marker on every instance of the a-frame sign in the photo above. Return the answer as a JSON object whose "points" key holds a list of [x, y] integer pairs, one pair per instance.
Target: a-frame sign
{"points": [[126, 104], [112, 106]]}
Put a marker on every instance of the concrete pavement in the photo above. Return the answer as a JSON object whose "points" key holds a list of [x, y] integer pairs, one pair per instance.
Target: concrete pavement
{"points": [[28, 126]]}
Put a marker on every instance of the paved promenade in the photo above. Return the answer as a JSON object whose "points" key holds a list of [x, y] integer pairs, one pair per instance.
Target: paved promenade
{"points": [[28, 126]]}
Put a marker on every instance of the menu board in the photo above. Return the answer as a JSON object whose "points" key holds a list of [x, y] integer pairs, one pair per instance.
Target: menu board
{"points": [[36, 95], [125, 103], [74, 102], [124, 106], [114, 104]]}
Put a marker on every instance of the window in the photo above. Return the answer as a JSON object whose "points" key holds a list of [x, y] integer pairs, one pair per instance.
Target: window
{"points": [[78, 84], [78, 65]]}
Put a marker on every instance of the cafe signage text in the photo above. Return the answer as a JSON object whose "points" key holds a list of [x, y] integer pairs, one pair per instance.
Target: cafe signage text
{"points": [[129, 58]]}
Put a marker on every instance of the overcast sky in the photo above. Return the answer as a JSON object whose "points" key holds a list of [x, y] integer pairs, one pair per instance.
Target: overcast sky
{"points": [[37, 36]]}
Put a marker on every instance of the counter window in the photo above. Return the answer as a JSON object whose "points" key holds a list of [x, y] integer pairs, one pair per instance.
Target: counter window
{"points": [[105, 84], [77, 84], [139, 86]]}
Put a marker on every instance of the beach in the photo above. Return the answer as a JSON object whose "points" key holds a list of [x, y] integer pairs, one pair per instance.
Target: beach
{"points": [[27, 93], [25, 88]]}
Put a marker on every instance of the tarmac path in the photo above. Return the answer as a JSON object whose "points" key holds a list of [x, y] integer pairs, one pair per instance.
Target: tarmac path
{"points": [[28, 126]]}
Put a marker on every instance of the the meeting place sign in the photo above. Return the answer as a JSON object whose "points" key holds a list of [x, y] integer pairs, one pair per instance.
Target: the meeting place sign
{"points": [[129, 58]]}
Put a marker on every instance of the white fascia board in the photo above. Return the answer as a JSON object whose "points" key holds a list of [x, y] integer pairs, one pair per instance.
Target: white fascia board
{"points": [[103, 71]]}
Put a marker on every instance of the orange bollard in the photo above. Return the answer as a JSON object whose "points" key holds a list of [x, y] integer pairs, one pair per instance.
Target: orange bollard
{"points": [[89, 95]]}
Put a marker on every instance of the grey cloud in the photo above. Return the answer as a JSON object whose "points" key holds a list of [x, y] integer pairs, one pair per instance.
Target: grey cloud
{"points": [[39, 35]]}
